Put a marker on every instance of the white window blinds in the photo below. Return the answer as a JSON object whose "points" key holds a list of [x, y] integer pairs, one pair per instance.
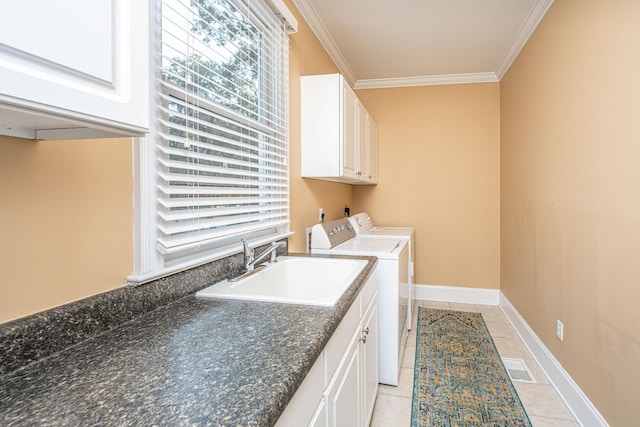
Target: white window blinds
{"points": [[222, 125]]}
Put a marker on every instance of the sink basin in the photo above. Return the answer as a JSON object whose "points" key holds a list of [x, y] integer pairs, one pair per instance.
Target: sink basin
{"points": [[293, 280]]}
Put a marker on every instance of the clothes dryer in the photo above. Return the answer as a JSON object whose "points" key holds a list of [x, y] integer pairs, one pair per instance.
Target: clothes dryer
{"points": [[363, 226], [339, 238]]}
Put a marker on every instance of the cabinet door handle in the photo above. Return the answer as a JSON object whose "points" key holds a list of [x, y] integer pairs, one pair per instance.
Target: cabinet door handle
{"points": [[363, 339], [366, 331]]}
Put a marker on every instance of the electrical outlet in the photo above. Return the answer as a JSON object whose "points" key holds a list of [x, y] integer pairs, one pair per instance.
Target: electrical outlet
{"points": [[321, 215], [559, 330], [309, 240]]}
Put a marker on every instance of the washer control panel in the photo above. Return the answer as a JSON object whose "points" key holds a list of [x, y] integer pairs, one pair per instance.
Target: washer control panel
{"points": [[329, 234], [361, 222]]}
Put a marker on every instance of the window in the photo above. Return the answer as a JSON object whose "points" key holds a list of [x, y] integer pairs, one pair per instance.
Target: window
{"points": [[215, 168]]}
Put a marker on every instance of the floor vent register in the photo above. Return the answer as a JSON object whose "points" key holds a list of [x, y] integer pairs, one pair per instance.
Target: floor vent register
{"points": [[518, 370]]}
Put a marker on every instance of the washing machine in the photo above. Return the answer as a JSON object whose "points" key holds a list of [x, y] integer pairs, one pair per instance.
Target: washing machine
{"points": [[339, 238], [363, 226]]}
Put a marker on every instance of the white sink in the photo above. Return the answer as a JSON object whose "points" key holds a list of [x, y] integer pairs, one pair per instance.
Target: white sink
{"points": [[293, 280]]}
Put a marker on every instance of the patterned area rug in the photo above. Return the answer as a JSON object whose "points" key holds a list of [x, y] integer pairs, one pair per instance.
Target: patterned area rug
{"points": [[459, 379]]}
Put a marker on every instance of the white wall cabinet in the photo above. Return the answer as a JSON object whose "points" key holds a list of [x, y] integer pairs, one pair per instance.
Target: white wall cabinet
{"points": [[347, 129], [349, 365], [372, 151], [74, 68], [337, 132]]}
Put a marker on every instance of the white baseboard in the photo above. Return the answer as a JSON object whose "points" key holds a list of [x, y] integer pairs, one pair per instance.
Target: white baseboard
{"points": [[458, 294], [577, 402]]}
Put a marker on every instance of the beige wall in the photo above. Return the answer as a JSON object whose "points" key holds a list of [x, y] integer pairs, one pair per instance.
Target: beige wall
{"points": [[65, 221], [308, 57], [439, 169], [561, 128], [570, 109]]}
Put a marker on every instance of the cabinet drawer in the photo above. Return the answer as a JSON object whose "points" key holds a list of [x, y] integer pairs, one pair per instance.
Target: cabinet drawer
{"points": [[367, 293]]}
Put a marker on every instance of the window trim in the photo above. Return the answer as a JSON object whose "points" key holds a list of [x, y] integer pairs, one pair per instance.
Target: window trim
{"points": [[149, 263]]}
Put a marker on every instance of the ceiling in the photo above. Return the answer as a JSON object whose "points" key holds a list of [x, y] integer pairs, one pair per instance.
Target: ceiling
{"points": [[382, 43]]}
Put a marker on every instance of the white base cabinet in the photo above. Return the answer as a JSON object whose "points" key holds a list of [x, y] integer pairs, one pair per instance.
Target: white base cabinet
{"points": [[349, 369], [319, 418], [370, 360], [339, 137], [344, 397]]}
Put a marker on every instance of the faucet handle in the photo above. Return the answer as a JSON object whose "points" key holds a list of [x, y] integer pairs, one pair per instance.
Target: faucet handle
{"points": [[248, 252], [274, 251]]}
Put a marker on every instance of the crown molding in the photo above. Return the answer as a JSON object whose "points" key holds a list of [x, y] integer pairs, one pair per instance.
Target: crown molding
{"points": [[537, 12], [310, 15], [444, 79], [531, 22]]}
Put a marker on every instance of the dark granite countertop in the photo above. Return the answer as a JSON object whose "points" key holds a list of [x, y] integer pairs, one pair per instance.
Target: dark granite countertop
{"points": [[192, 362]]}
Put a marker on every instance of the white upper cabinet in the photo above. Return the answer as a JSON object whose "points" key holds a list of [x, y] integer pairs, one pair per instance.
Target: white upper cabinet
{"points": [[74, 68], [372, 151], [348, 133], [368, 148], [336, 132], [361, 142]]}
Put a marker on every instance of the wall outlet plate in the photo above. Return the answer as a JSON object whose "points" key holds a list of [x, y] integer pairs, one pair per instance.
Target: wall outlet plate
{"points": [[559, 330]]}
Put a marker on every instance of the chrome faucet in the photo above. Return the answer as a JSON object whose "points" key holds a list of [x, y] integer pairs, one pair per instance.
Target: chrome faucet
{"points": [[250, 260]]}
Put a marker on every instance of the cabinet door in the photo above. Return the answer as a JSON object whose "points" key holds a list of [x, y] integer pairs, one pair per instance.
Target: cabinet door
{"points": [[363, 149], [350, 133], [370, 360], [344, 394], [372, 151], [77, 60], [319, 418]]}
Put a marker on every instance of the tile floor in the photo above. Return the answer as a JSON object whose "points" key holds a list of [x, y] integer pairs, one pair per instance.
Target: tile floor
{"points": [[540, 400]]}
